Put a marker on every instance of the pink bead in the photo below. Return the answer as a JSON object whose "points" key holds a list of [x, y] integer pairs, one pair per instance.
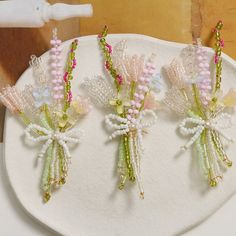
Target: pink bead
{"points": [[61, 96], [53, 56], [133, 120], [153, 67], [53, 42], [58, 41], [59, 73], [60, 87], [216, 59], [56, 96], [109, 48], [201, 65], [136, 111], [145, 89], [54, 81], [130, 111], [59, 65], [142, 79], [58, 57], [140, 87], [149, 64], [136, 95], [53, 72], [145, 71], [55, 88], [147, 80], [199, 51], [138, 105], [222, 43], [199, 58], [59, 81], [132, 102], [53, 65], [59, 49], [129, 117], [141, 96], [53, 50]]}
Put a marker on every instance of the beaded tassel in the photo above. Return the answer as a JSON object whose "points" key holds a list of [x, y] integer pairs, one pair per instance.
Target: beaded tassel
{"points": [[132, 77], [194, 95]]}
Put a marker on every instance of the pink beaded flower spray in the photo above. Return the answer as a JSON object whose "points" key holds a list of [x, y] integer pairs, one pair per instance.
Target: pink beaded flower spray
{"points": [[195, 93], [50, 113], [133, 102]]}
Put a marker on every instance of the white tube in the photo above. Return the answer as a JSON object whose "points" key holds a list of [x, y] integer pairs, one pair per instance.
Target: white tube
{"points": [[35, 13]]}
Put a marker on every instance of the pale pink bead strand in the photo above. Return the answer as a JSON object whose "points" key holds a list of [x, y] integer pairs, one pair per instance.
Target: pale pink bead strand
{"points": [[142, 89], [204, 84], [56, 67]]}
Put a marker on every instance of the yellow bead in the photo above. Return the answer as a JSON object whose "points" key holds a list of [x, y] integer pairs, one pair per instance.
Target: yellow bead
{"points": [[213, 183], [62, 181], [229, 99], [46, 196]]}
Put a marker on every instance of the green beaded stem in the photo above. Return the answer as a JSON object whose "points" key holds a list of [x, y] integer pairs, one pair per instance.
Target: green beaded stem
{"points": [[127, 158], [68, 77], [200, 155], [218, 58], [62, 170], [124, 162], [24, 118], [219, 148], [46, 181], [48, 116], [107, 56], [197, 100]]}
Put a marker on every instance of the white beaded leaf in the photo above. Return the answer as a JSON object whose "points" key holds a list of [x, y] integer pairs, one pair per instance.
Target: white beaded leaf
{"points": [[38, 69], [100, 90], [176, 101]]}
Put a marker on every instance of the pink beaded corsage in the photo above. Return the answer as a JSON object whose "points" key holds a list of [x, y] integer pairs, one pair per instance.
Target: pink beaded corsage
{"points": [[132, 97], [196, 95], [50, 113]]}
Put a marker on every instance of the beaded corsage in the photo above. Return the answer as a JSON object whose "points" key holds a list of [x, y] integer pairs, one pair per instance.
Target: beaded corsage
{"points": [[196, 95], [132, 96], [50, 113]]}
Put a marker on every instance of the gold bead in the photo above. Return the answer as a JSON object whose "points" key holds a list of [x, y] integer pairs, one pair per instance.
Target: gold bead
{"points": [[62, 181], [132, 178], [213, 183], [142, 195], [46, 197], [121, 186]]}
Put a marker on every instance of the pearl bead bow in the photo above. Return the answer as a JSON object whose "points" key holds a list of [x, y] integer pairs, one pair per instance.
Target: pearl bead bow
{"points": [[49, 135], [196, 125]]}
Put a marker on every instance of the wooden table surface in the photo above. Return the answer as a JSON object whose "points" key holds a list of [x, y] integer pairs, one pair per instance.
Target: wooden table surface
{"points": [[165, 19]]}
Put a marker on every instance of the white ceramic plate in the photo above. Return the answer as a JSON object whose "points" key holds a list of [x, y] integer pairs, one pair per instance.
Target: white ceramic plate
{"points": [[176, 197]]}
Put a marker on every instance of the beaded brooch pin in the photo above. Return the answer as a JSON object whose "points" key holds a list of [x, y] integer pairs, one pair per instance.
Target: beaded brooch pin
{"points": [[132, 96], [196, 93], [50, 113]]}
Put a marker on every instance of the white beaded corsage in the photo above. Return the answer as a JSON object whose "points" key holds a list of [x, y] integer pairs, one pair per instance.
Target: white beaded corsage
{"points": [[196, 95], [133, 99], [50, 113]]}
